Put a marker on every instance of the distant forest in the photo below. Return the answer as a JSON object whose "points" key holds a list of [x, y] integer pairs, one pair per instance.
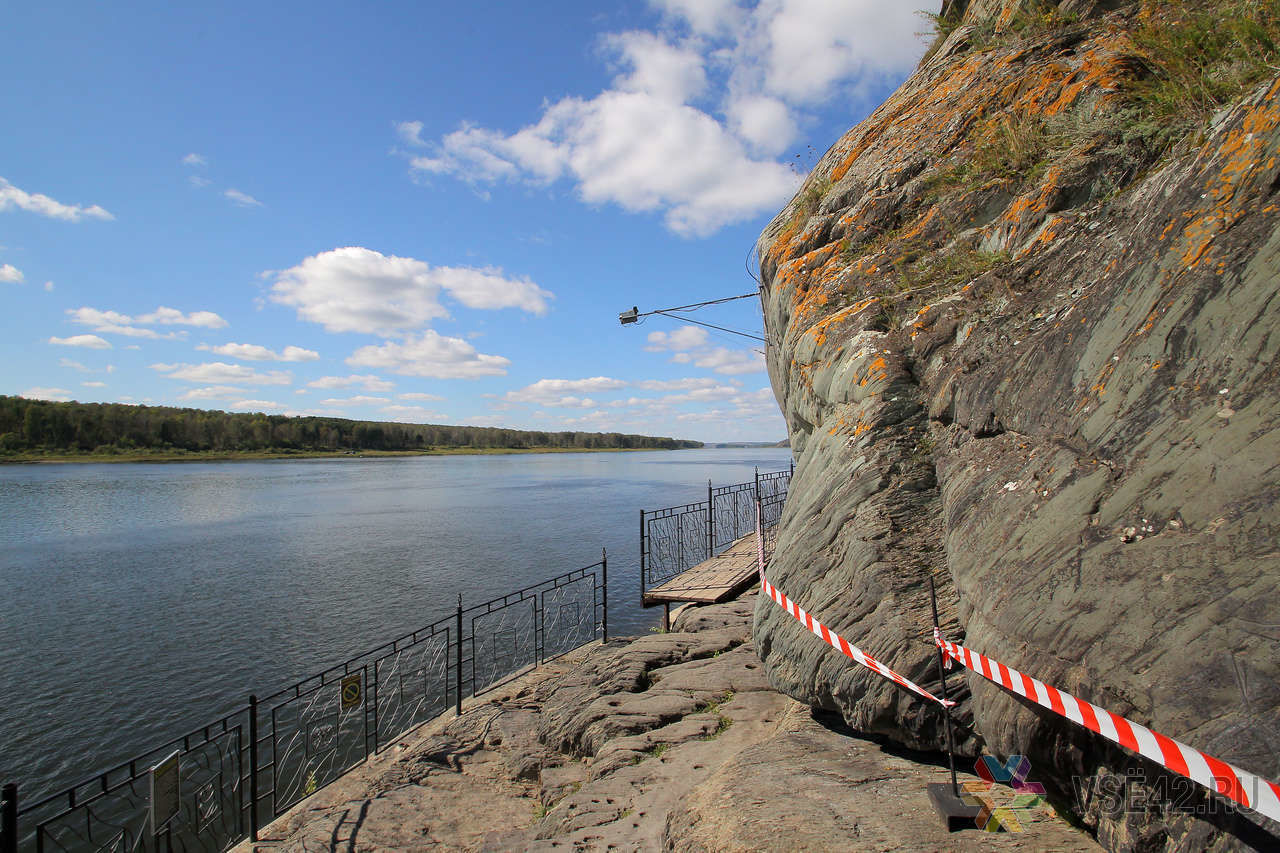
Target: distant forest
{"points": [[38, 425]]}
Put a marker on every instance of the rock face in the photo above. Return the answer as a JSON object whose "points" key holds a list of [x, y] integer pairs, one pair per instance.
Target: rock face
{"points": [[1029, 349]]}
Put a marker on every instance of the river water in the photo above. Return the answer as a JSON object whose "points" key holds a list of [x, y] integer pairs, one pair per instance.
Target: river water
{"points": [[138, 601]]}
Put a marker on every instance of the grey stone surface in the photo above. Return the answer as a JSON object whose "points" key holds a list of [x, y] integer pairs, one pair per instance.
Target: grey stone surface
{"points": [[1078, 441], [743, 756]]}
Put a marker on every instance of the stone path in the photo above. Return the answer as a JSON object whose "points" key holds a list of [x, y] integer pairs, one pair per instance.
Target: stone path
{"points": [[665, 742]]}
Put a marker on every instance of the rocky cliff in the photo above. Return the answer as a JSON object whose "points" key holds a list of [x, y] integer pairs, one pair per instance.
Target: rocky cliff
{"points": [[1024, 327]]}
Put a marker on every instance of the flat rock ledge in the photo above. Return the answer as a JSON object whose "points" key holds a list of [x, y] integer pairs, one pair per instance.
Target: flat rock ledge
{"points": [[662, 742]]}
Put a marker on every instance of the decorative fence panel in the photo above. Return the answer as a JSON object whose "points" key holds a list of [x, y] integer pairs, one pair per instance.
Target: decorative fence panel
{"points": [[228, 778], [677, 538]]}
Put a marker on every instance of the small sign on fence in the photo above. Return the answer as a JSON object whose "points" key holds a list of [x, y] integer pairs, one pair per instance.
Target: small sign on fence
{"points": [[351, 692], [166, 795]]}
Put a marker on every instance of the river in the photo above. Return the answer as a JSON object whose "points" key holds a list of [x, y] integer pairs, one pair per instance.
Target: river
{"points": [[142, 600]]}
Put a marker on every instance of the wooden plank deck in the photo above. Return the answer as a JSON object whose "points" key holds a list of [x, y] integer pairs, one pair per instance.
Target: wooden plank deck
{"points": [[718, 579]]}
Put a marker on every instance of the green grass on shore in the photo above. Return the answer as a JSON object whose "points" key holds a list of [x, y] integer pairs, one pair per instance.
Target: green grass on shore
{"points": [[28, 457]]}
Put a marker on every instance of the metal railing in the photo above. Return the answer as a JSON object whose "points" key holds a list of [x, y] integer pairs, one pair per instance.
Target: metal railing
{"points": [[676, 538], [216, 786]]}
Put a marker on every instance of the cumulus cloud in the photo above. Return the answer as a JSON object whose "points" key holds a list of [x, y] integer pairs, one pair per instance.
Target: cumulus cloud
{"points": [[358, 400], [218, 372], [194, 159], [89, 341], [172, 316], [691, 124], [214, 392], [431, 354], [723, 360], [94, 384], [559, 392], [683, 338], [13, 198], [418, 395], [354, 289], [410, 132], [115, 323], [241, 198], [254, 352], [255, 406], [367, 381], [57, 395], [689, 384], [10, 273], [412, 414]]}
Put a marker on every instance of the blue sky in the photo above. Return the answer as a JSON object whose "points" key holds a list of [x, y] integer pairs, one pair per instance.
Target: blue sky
{"points": [[428, 212]]}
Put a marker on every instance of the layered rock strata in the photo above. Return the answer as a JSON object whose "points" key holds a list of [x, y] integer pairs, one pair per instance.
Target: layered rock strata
{"points": [[1029, 353]]}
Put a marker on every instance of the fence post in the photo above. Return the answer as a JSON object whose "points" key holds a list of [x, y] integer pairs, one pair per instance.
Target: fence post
{"points": [[642, 558], [9, 819], [253, 767], [604, 573], [757, 481], [458, 661], [711, 523], [942, 680]]}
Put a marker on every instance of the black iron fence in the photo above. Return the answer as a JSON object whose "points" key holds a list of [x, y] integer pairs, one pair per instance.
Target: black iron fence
{"points": [[677, 538], [216, 786]]}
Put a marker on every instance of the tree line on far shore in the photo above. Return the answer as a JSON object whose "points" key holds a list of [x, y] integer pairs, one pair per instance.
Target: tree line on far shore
{"points": [[42, 426]]}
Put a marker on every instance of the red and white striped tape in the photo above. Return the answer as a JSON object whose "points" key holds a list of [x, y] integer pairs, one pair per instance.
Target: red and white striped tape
{"points": [[1245, 788], [823, 632], [837, 642]]}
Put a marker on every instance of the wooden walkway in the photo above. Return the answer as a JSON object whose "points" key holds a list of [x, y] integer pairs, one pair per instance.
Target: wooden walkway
{"points": [[718, 579]]}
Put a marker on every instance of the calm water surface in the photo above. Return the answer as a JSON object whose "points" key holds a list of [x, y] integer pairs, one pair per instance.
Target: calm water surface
{"points": [[138, 601]]}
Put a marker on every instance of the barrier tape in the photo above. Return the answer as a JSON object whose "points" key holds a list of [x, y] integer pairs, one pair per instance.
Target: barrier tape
{"points": [[828, 636], [1245, 788]]}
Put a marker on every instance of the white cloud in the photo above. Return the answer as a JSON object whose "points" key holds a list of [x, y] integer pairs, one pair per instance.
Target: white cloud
{"points": [[358, 400], [10, 273], [410, 132], [94, 384], [218, 372], [810, 46], [683, 338], [48, 286], [255, 406], [636, 149], [214, 392], [173, 317], [194, 159], [418, 395], [431, 354], [367, 381], [669, 72], [73, 365], [115, 323], [242, 199], [726, 361], [692, 125], [706, 17], [90, 341], [554, 392], [57, 395], [412, 414], [677, 384], [254, 352], [705, 395], [198, 182], [764, 122], [12, 197], [354, 289]]}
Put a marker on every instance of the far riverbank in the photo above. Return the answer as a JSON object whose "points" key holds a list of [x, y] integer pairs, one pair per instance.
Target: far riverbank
{"points": [[260, 455]]}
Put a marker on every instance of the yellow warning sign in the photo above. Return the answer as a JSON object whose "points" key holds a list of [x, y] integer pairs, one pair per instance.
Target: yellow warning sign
{"points": [[351, 691]]}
